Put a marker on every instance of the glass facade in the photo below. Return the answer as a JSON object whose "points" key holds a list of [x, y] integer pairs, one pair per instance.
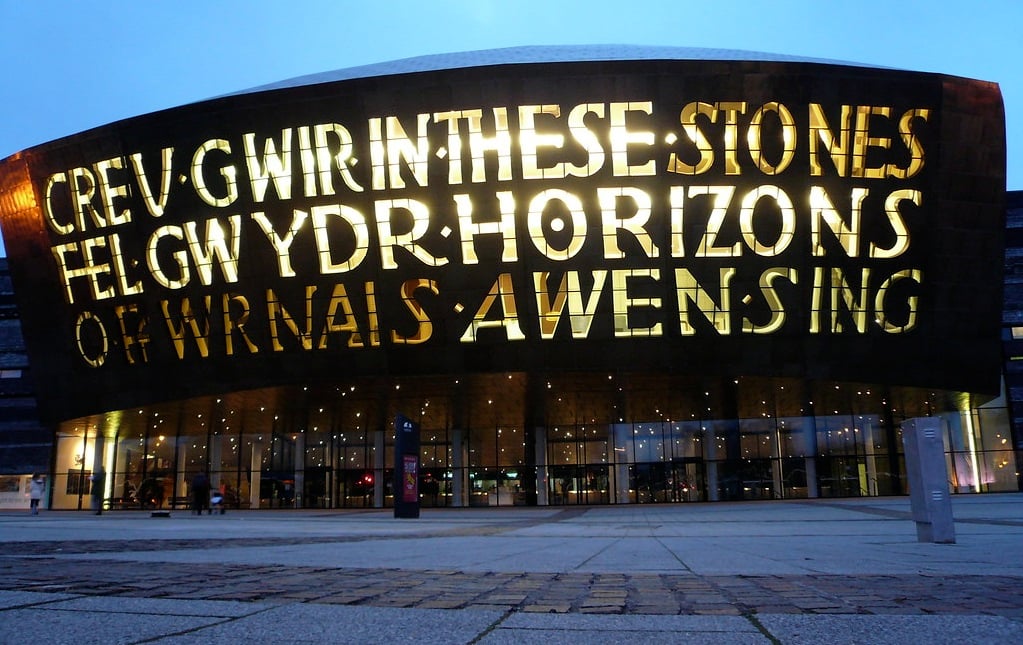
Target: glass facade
{"points": [[519, 439]]}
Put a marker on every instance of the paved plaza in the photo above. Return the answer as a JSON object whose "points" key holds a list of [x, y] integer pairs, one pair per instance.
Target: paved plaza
{"points": [[810, 571]]}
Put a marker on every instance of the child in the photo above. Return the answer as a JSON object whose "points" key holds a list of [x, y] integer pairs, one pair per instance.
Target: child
{"points": [[35, 491]]}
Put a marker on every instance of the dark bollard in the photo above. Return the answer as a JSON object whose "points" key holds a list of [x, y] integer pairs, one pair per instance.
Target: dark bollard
{"points": [[406, 467]]}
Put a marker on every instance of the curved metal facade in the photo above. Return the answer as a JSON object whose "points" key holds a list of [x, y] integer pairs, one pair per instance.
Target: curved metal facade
{"points": [[696, 219]]}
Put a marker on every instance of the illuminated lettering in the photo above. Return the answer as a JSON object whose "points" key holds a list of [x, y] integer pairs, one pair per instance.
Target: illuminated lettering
{"points": [[705, 151], [731, 110], [609, 199], [424, 327], [469, 229], [587, 139], [420, 215], [788, 220], [178, 257], [891, 210], [531, 142], [98, 358], [622, 138], [387, 152], [622, 302], [188, 320], [537, 233], [276, 310], [880, 300], [155, 206], [109, 191], [83, 189], [774, 304], [51, 182], [228, 174], [570, 292], [342, 159], [217, 248], [340, 302], [689, 290], [89, 268], [502, 290], [236, 324], [788, 132], [838, 148], [479, 144], [273, 165], [842, 293], [282, 245], [863, 142], [823, 210], [137, 337], [371, 314], [355, 222], [912, 143], [708, 244], [120, 270], [307, 159]]}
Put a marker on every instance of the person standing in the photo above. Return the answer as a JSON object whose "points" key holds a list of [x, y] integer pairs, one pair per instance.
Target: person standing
{"points": [[201, 493], [36, 487], [98, 479]]}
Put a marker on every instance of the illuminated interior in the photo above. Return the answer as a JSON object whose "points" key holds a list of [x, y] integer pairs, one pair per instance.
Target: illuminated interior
{"points": [[508, 439]]}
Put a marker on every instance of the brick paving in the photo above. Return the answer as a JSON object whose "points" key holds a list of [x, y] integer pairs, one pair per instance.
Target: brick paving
{"points": [[34, 568]]}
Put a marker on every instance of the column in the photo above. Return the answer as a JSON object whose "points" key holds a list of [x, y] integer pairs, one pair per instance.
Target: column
{"points": [[458, 472], [777, 463], [215, 459], [813, 489], [99, 473], [620, 439], [540, 450], [181, 486], [300, 470], [868, 448], [255, 473], [710, 457], [379, 483]]}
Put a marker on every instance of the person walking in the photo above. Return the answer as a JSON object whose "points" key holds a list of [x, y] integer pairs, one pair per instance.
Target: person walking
{"points": [[36, 487]]}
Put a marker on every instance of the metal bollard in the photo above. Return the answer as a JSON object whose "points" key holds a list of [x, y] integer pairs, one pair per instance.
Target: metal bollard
{"points": [[928, 480]]}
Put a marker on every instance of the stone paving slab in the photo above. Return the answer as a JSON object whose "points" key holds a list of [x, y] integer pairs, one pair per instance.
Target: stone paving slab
{"points": [[893, 630], [823, 572], [641, 593]]}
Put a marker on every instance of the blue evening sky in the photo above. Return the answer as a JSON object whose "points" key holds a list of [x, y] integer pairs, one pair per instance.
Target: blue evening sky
{"points": [[69, 66]]}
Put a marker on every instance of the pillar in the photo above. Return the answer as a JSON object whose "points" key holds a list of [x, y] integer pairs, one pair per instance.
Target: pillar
{"points": [[777, 464], [621, 443], [458, 471], [181, 486], [300, 470], [379, 483], [540, 450], [255, 473], [214, 450], [710, 458], [871, 459], [99, 473]]}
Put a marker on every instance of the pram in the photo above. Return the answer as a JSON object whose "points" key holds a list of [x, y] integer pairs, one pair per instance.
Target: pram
{"points": [[217, 502]]}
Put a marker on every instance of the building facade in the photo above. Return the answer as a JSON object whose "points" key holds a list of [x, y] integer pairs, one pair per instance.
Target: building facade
{"points": [[590, 275], [25, 443]]}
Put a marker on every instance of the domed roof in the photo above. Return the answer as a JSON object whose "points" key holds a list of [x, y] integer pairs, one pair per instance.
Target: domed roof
{"points": [[537, 54]]}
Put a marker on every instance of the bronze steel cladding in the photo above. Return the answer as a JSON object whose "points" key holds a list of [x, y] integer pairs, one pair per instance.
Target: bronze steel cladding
{"points": [[719, 218]]}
